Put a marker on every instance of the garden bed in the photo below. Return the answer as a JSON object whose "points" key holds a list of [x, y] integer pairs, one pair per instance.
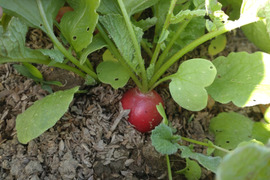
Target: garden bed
{"points": [[93, 140]]}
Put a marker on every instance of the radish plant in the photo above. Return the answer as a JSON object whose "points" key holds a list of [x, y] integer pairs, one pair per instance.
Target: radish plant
{"points": [[241, 148], [177, 27]]}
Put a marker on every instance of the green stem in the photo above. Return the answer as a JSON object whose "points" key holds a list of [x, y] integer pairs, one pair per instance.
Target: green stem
{"points": [[169, 167], [146, 48], [136, 46], [205, 144], [47, 62], [161, 81], [171, 43], [59, 45], [116, 53], [165, 26], [227, 27]]}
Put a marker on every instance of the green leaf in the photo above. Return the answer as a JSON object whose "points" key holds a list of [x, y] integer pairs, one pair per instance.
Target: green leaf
{"points": [[250, 8], [30, 13], [230, 129], [43, 114], [33, 70], [54, 54], [25, 72], [194, 30], [261, 132], [187, 14], [192, 171], [150, 71], [162, 112], [209, 162], [217, 45], [258, 35], [242, 78], [160, 11], [132, 7], [78, 26], [198, 3], [188, 84], [89, 80], [112, 73], [267, 115], [108, 56], [12, 44], [97, 43], [163, 139], [118, 31], [145, 24], [246, 162]]}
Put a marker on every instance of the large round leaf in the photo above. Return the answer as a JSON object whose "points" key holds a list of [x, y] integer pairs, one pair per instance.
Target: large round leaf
{"points": [[188, 84], [242, 78]]}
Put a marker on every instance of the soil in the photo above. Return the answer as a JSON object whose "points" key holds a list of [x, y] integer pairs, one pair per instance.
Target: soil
{"points": [[93, 140]]}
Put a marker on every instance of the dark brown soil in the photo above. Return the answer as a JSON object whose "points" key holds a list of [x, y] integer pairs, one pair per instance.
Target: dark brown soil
{"points": [[93, 140]]}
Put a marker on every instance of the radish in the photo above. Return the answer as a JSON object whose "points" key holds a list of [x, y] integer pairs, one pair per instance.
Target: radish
{"points": [[62, 11], [143, 112]]}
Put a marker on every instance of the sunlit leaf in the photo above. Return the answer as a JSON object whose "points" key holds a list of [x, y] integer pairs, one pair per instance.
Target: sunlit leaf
{"points": [[217, 45], [242, 78], [188, 84], [246, 162]]}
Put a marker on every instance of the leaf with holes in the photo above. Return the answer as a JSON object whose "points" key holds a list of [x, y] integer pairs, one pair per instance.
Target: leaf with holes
{"points": [[43, 114], [230, 129], [188, 84], [242, 78], [30, 11], [192, 171], [78, 26], [251, 161], [112, 73], [217, 45]]}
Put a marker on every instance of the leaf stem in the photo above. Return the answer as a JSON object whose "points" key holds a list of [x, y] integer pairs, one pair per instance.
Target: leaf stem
{"points": [[146, 48], [163, 31], [137, 47], [227, 27], [205, 144], [116, 53], [169, 167], [164, 54], [47, 62], [59, 45]]}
